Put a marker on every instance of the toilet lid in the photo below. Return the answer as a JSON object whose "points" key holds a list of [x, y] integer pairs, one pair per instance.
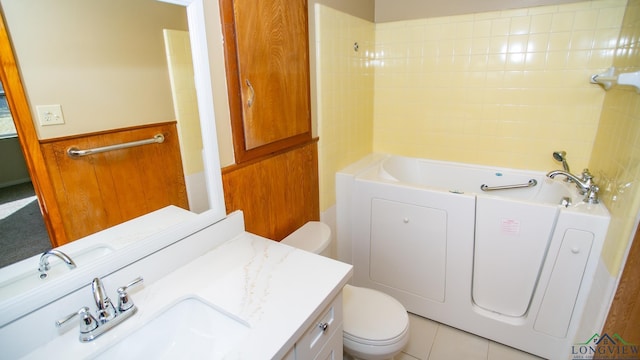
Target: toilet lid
{"points": [[371, 316]]}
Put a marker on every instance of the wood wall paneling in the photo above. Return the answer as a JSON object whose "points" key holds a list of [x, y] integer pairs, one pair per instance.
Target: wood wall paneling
{"points": [[277, 194], [624, 314], [102, 190]]}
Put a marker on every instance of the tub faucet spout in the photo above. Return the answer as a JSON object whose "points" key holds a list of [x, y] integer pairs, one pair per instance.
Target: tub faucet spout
{"points": [[44, 261], [585, 184]]}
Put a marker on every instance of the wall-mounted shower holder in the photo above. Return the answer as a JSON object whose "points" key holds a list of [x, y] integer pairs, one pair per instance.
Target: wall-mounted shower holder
{"points": [[609, 78]]}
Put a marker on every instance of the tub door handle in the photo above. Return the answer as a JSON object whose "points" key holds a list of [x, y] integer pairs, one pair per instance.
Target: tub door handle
{"points": [[531, 183]]}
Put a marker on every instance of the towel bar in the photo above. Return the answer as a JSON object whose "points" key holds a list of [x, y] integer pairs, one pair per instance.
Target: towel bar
{"points": [[74, 152]]}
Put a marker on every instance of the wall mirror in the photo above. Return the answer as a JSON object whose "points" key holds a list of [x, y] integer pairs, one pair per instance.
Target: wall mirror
{"points": [[193, 11]]}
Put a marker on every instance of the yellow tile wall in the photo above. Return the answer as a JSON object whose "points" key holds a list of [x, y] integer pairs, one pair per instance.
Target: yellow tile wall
{"points": [[185, 102], [616, 152], [499, 88], [345, 94]]}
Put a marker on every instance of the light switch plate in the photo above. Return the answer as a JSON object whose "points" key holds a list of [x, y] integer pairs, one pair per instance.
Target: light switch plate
{"points": [[50, 115]]}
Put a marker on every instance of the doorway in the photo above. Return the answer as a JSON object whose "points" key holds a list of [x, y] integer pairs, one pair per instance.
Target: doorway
{"points": [[22, 229]]}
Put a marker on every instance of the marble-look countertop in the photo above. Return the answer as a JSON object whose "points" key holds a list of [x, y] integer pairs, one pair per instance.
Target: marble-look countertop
{"points": [[277, 290]]}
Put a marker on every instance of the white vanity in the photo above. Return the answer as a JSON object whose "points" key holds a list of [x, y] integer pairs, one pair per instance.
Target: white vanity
{"points": [[219, 292]]}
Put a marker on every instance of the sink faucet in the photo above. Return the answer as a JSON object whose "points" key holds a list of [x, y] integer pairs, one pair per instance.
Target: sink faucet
{"points": [[44, 261], [584, 184], [106, 311], [108, 315]]}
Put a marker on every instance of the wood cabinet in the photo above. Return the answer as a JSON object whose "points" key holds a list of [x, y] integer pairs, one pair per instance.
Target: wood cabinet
{"points": [[275, 179], [267, 59]]}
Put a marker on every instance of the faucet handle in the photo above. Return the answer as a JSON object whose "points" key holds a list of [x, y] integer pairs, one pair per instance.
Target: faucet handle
{"points": [[592, 195], [87, 322], [586, 175], [124, 302]]}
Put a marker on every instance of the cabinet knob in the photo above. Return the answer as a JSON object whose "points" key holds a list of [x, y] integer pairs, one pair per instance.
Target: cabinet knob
{"points": [[405, 220], [323, 326], [575, 250]]}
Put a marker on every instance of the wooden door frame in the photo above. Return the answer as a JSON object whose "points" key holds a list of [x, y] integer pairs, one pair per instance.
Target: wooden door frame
{"points": [[624, 313], [28, 139]]}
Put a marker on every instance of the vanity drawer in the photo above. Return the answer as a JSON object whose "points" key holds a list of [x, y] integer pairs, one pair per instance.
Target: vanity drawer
{"points": [[328, 323], [333, 349]]}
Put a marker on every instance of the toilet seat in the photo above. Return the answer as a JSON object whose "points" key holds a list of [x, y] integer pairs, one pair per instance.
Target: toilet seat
{"points": [[372, 317]]}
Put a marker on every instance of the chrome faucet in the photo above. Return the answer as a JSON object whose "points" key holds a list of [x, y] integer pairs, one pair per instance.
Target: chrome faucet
{"points": [[108, 315], [106, 311], [584, 184], [44, 261]]}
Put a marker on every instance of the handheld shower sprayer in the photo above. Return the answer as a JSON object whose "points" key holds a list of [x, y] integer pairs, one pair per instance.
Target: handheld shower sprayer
{"points": [[561, 156]]}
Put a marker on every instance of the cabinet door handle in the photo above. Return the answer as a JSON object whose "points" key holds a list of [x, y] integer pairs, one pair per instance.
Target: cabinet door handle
{"points": [[323, 326], [252, 94]]}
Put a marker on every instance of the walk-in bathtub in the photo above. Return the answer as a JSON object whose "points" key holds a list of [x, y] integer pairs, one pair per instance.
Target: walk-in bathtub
{"points": [[512, 265]]}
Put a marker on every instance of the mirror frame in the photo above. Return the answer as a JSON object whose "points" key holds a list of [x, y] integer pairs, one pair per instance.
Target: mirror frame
{"points": [[30, 300], [204, 94]]}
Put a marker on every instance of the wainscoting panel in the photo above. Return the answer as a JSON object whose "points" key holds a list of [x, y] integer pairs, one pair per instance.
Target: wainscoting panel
{"points": [[277, 194], [98, 191]]}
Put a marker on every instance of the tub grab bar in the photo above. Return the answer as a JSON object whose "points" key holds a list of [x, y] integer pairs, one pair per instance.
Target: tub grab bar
{"points": [[531, 183], [74, 152]]}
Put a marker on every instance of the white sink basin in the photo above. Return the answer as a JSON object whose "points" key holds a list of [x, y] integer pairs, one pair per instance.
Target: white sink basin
{"points": [[25, 276], [190, 329]]}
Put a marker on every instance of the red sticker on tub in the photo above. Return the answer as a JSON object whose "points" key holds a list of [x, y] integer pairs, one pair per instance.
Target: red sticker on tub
{"points": [[510, 226]]}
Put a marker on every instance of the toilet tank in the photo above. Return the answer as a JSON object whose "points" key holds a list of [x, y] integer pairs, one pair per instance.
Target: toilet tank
{"points": [[313, 236]]}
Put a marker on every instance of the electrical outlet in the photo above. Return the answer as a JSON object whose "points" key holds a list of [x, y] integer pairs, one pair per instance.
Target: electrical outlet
{"points": [[50, 115]]}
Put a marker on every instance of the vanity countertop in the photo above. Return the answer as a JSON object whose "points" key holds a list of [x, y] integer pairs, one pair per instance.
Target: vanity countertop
{"points": [[276, 289]]}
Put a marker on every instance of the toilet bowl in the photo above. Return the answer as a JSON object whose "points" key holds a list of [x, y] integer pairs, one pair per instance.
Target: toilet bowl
{"points": [[376, 326]]}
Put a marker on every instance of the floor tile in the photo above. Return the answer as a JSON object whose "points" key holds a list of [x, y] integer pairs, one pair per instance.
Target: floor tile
{"points": [[502, 352], [454, 344], [404, 356], [422, 332]]}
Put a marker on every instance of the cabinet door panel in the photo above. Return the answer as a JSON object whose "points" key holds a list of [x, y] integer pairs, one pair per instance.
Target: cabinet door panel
{"points": [[273, 69]]}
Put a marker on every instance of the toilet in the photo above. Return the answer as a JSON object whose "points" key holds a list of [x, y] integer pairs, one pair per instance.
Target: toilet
{"points": [[376, 326]]}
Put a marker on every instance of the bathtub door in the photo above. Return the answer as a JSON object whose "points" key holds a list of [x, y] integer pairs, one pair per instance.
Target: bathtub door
{"points": [[511, 244]]}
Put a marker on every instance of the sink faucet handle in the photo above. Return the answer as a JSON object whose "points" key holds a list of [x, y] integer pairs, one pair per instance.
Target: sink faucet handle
{"points": [[87, 322], [124, 302]]}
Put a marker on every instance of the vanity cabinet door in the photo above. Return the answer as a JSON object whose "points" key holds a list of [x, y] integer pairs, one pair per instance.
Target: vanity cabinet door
{"points": [[267, 59]]}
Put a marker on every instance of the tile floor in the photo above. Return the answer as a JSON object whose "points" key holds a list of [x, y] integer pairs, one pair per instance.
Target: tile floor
{"points": [[434, 341]]}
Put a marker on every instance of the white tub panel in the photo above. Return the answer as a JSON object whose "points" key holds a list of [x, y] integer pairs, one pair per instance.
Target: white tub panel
{"points": [[399, 180], [560, 296], [408, 248], [510, 246]]}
